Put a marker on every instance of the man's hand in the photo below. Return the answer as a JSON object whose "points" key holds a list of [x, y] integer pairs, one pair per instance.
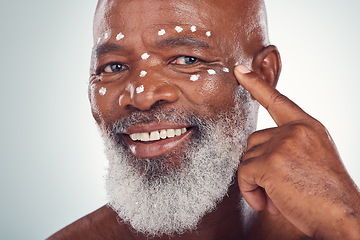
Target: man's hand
{"points": [[295, 169]]}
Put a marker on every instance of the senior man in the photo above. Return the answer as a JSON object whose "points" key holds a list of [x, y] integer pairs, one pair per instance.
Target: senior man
{"points": [[174, 88]]}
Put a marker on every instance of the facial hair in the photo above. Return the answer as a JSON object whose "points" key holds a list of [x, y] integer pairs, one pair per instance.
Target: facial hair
{"points": [[156, 199]]}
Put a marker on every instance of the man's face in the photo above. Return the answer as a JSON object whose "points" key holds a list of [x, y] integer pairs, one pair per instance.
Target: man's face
{"points": [[170, 109], [160, 53]]}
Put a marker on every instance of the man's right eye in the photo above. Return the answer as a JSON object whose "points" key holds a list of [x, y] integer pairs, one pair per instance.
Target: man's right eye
{"points": [[114, 67]]}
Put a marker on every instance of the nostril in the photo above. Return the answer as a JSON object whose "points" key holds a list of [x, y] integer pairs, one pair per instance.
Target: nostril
{"points": [[148, 96], [159, 102]]}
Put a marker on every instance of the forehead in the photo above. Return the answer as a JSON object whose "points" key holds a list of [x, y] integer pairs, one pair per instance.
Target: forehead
{"points": [[145, 15]]}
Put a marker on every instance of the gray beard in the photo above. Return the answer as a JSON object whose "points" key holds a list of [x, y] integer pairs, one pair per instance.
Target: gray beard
{"points": [[155, 199]]}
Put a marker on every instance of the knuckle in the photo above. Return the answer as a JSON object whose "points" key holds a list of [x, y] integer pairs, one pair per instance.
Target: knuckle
{"points": [[319, 127], [276, 160], [299, 130]]}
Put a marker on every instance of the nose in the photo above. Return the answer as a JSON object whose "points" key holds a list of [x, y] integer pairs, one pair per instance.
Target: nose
{"points": [[145, 93]]}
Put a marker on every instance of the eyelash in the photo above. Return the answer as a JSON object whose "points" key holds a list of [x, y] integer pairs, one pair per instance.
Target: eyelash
{"points": [[195, 59], [117, 64], [123, 67]]}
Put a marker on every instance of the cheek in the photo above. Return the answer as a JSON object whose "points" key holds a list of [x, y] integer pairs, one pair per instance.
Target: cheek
{"points": [[94, 103], [212, 93], [102, 100]]}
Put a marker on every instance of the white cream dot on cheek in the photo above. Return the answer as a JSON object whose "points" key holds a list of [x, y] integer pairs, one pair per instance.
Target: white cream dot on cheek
{"points": [[211, 71], [106, 35], [98, 40], [143, 73], [208, 33], [178, 29], [102, 91], [193, 28], [140, 89], [119, 36], [225, 69], [194, 77], [145, 56], [161, 32]]}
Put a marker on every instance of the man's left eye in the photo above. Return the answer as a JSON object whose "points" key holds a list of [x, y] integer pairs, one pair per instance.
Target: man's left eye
{"points": [[185, 60]]}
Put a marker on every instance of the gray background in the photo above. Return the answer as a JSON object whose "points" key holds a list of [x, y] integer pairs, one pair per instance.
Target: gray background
{"points": [[52, 161]]}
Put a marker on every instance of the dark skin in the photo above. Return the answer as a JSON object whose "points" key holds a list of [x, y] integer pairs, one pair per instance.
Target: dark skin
{"points": [[291, 175]]}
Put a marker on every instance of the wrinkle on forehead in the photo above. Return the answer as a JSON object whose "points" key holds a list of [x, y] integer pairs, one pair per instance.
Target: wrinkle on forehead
{"points": [[175, 11], [240, 25]]}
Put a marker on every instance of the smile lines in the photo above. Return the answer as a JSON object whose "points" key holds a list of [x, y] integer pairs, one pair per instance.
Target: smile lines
{"points": [[157, 135]]}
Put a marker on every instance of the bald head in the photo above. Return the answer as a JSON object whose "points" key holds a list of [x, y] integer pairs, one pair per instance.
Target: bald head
{"points": [[241, 24]]}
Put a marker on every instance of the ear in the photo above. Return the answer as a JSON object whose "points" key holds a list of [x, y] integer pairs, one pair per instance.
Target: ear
{"points": [[267, 63]]}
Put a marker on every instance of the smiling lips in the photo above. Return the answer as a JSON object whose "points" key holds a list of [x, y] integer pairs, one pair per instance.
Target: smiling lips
{"points": [[148, 143], [157, 135]]}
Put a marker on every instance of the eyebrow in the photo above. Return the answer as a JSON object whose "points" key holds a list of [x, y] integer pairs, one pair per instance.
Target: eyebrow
{"points": [[182, 41], [106, 48]]}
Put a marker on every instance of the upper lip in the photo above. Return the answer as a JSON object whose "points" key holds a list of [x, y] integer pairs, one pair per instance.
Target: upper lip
{"points": [[149, 127]]}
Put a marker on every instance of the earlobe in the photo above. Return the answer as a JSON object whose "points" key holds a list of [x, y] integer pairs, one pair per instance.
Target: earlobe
{"points": [[267, 63]]}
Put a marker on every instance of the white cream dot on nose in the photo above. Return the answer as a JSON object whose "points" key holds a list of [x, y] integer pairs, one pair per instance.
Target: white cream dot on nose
{"points": [[120, 99], [140, 89], [143, 73]]}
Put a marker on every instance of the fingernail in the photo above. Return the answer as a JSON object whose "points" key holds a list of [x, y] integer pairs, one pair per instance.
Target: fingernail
{"points": [[242, 69]]}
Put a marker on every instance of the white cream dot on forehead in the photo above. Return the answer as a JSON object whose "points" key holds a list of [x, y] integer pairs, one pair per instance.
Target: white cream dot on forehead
{"points": [[140, 89], [211, 71], [193, 28], [120, 36], [102, 91], [208, 33], [225, 69], [178, 29], [98, 40], [145, 56], [194, 77], [143, 73], [161, 32]]}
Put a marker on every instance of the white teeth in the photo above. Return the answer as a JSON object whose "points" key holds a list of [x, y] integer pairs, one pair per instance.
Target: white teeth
{"points": [[170, 133], [134, 136], [157, 135], [183, 130], [144, 137], [163, 134], [177, 132]]}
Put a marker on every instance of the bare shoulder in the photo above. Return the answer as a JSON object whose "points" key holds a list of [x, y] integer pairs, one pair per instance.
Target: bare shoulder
{"points": [[100, 224]]}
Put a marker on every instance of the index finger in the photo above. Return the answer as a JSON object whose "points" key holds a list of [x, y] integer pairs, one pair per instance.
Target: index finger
{"points": [[281, 109]]}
